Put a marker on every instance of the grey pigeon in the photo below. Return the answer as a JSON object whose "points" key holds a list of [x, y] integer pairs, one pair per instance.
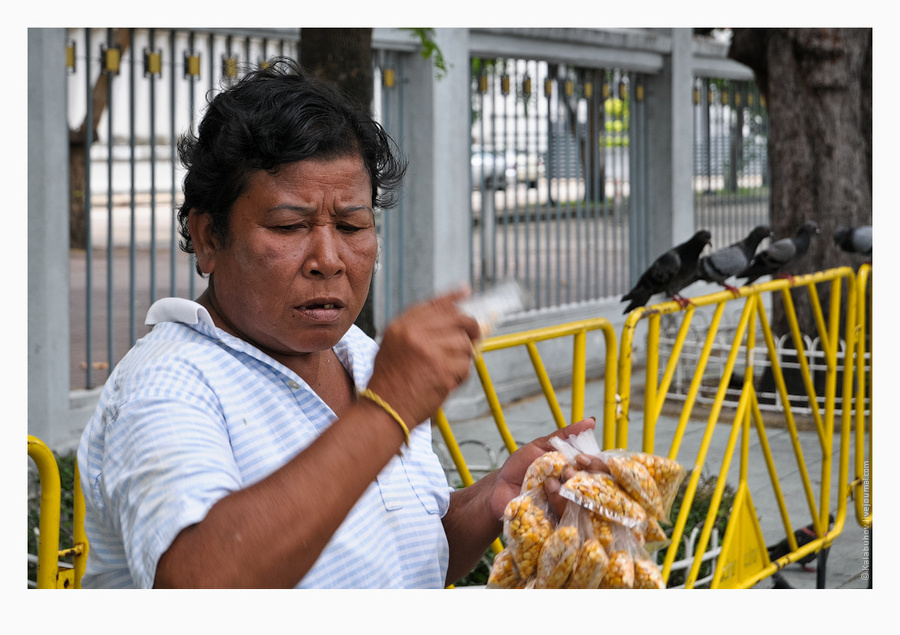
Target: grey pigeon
{"points": [[781, 254], [670, 273], [729, 261], [855, 240]]}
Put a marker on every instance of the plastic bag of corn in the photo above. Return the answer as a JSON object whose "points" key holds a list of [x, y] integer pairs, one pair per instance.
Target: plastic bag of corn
{"points": [[527, 523]]}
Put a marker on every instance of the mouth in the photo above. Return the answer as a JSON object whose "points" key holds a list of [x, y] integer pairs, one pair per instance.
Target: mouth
{"points": [[321, 309], [317, 306]]}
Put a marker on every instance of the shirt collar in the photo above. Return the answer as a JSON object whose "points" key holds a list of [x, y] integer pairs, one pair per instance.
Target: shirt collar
{"points": [[178, 310], [195, 315]]}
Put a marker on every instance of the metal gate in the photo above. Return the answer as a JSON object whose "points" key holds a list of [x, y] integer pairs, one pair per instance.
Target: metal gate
{"points": [[558, 176], [731, 164]]}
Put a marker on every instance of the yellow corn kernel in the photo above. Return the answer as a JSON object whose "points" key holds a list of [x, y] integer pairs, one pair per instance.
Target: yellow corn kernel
{"points": [[620, 572], [590, 566], [557, 558], [504, 574], [647, 575], [655, 533], [664, 471], [527, 529], [603, 530], [634, 477], [548, 465], [601, 494]]}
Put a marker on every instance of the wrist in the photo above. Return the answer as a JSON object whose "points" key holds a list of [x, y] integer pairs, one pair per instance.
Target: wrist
{"points": [[376, 400]]}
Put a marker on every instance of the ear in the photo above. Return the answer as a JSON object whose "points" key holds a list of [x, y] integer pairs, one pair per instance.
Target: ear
{"points": [[205, 244]]}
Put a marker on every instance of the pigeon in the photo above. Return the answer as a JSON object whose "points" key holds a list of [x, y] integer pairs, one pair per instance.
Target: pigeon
{"points": [[729, 261], [781, 254], [804, 536], [855, 240], [670, 273]]}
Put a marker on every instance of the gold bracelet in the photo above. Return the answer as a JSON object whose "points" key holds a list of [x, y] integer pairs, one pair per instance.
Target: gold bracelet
{"points": [[371, 396]]}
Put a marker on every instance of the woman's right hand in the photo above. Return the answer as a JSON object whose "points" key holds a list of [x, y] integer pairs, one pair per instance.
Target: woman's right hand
{"points": [[425, 353]]}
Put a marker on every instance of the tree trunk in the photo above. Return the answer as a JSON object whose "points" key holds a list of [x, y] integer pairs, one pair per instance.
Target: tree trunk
{"points": [[344, 57], [79, 153], [818, 89]]}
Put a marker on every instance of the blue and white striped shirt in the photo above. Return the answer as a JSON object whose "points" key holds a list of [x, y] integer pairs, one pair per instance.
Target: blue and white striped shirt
{"points": [[192, 413]]}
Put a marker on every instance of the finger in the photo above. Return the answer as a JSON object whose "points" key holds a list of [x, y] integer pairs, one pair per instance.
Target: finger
{"points": [[556, 500], [591, 463], [456, 295], [587, 463], [449, 309]]}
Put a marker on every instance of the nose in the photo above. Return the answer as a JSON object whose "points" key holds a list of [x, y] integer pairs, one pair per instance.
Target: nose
{"points": [[323, 254]]}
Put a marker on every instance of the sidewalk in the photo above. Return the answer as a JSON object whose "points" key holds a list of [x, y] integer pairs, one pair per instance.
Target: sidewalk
{"points": [[846, 566]]}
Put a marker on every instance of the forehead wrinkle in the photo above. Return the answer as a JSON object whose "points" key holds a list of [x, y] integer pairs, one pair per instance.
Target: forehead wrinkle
{"points": [[311, 210]]}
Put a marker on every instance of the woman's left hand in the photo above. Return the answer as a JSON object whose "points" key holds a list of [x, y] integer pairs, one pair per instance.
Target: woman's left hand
{"points": [[512, 473]]}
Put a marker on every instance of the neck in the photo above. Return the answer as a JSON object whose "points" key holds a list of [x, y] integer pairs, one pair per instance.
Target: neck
{"points": [[312, 367]]}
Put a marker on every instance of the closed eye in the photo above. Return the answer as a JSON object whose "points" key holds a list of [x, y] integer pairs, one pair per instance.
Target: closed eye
{"points": [[289, 228]]}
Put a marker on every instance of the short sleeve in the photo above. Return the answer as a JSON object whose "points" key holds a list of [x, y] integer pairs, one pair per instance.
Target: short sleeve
{"points": [[167, 461]]}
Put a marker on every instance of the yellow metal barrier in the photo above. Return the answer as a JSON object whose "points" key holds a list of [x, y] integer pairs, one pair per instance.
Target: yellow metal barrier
{"points": [[49, 573], [529, 339], [744, 560], [862, 483]]}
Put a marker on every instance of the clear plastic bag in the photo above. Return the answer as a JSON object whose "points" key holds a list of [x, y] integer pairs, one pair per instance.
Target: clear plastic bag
{"points": [[504, 573], [609, 527], [630, 471], [600, 493], [592, 560], [667, 474], [590, 566], [646, 573], [630, 566], [559, 552], [527, 523], [634, 477], [548, 465]]}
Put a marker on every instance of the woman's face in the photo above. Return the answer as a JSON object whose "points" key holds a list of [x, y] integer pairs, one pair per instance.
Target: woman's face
{"points": [[294, 273]]}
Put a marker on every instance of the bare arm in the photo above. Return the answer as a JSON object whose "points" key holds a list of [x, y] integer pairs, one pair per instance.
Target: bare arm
{"points": [[271, 533]]}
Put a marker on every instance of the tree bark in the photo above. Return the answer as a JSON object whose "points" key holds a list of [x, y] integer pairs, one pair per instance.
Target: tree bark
{"points": [[818, 89], [79, 152], [344, 57]]}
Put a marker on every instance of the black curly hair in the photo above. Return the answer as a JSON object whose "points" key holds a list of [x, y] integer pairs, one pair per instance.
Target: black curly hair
{"points": [[273, 116]]}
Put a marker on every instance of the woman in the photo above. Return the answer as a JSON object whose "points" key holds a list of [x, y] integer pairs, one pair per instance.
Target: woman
{"points": [[256, 437]]}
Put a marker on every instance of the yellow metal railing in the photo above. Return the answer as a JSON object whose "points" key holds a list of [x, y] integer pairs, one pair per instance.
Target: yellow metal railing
{"points": [[862, 483], [578, 331], [530, 339], [753, 319], [49, 573]]}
